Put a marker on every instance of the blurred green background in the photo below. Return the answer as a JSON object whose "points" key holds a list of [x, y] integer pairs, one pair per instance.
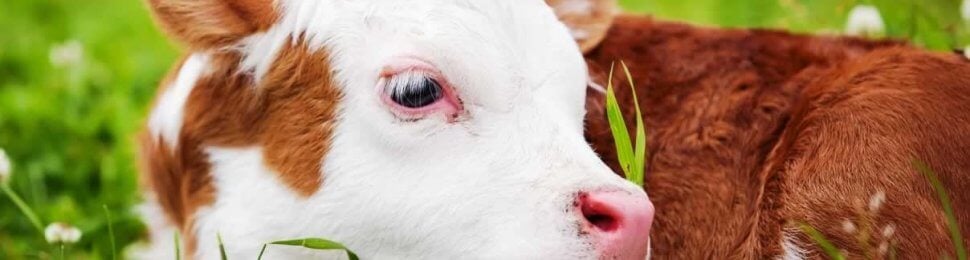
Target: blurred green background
{"points": [[76, 77]]}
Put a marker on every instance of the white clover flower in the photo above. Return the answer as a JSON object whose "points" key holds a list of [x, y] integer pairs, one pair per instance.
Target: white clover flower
{"points": [[965, 10], [966, 51], [58, 233], [5, 168], [864, 20], [67, 54]]}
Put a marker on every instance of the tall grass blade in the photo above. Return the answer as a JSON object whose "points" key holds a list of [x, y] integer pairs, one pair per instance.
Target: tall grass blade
{"points": [[318, 244], [178, 246], [111, 233], [640, 152], [222, 248], [632, 156], [826, 245], [951, 220], [34, 220], [261, 251], [621, 137]]}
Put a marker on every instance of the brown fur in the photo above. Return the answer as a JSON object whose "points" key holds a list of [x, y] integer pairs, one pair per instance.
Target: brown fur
{"points": [[204, 24], [751, 131], [290, 116]]}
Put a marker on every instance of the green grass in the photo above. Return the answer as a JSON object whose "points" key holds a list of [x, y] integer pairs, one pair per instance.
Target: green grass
{"points": [[934, 24], [69, 129], [313, 244], [111, 233], [828, 248], [178, 246], [951, 220], [222, 248], [632, 156]]}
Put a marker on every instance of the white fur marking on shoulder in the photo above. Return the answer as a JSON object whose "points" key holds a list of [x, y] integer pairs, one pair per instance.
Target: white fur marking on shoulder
{"points": [[166, 118], [791, 249]]}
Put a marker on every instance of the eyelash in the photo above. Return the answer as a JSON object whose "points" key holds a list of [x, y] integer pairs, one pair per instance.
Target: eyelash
{"points": [[403, 82], [416, 93]]}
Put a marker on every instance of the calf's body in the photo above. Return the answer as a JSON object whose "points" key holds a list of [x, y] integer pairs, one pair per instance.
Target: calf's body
{"points": [[754, 131]]}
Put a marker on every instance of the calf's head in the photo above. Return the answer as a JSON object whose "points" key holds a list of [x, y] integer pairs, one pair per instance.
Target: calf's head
{"points": [[415, 129]]}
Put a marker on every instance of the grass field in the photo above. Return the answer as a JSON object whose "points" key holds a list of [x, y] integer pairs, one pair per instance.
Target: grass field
{"points": [[76, 78]]}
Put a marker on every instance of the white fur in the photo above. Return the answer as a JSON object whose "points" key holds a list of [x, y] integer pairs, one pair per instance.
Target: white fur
{"points": [[166, 118], [497, 184], [575, 7], [161, 233], [790, 248]]}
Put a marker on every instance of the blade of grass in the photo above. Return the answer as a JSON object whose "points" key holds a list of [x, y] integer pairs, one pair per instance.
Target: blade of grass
{"points": [[824, 243], [111, 233], [222, 248], [23, 207], [178, 246], [951, 220], [261, 251], [640, 152], [318, 244], [621, 137]]}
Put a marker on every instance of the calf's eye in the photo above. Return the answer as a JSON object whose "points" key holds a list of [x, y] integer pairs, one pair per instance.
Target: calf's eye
{"points": [[414, 90]]}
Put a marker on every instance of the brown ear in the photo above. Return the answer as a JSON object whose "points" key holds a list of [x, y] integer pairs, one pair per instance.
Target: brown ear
{"points": [[589, 20], [213, 23]]}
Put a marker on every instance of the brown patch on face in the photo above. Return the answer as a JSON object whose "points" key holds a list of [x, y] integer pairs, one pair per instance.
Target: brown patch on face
{"points": [[290, 115], [213, 23], [302, 105]]}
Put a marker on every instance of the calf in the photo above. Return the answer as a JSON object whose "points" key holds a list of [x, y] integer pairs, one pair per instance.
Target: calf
{"points": [[753, 132], [423, 129]]}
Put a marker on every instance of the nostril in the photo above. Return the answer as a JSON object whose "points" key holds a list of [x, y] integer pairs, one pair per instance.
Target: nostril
{"points": [[602, 222], [617, 222], [601, 216]]}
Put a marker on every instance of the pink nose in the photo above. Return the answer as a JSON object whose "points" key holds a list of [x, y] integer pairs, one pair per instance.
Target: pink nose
{"points": [[618, 222]]}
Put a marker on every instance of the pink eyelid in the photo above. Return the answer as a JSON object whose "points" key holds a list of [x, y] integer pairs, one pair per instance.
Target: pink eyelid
{"points": [[449, 105]]}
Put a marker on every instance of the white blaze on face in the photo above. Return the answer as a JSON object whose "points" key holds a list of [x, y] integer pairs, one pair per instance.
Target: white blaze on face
{"points": [[494, 173]]}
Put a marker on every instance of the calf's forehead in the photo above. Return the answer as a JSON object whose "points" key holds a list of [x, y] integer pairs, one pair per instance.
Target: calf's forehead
{"points": [[492, 51], [511, 34]]}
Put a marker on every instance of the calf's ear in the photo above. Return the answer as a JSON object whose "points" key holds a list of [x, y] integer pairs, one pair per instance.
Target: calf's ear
{"points": [[203, 24], [588, 20]]}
